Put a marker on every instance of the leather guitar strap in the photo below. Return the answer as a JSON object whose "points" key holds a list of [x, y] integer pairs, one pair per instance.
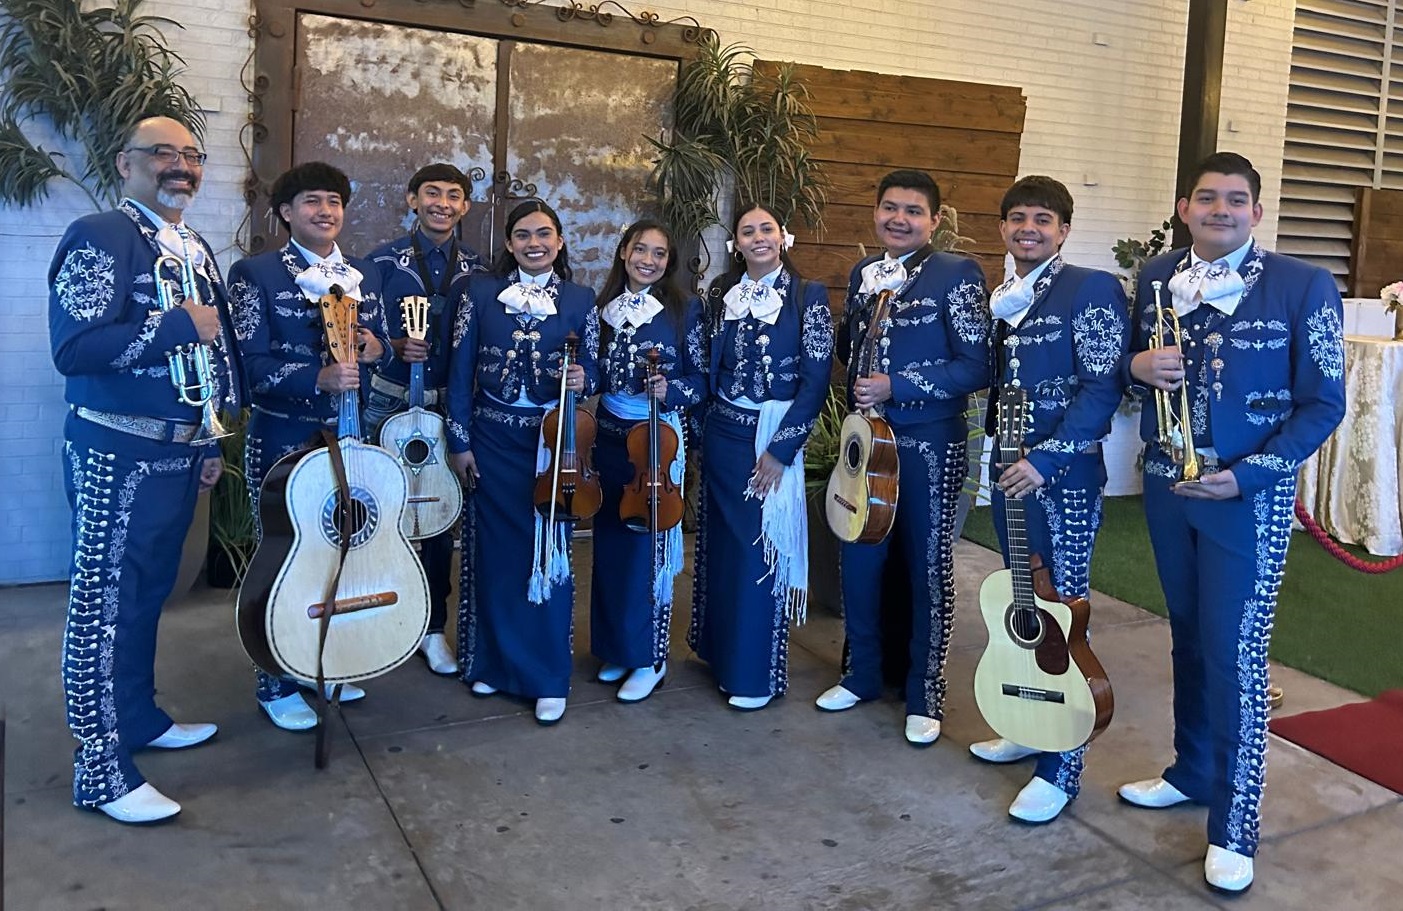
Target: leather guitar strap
{"points": [[338, 467]]}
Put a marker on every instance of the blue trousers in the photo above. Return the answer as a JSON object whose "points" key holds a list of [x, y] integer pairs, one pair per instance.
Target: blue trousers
{"points": [[1220, 563], [1061, 520], [269, 438], [933, 470], [628, 626], [132, 501]]}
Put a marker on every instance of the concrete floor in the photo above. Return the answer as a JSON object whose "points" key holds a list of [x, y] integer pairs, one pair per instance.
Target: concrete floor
{"points": [[435, 800]]}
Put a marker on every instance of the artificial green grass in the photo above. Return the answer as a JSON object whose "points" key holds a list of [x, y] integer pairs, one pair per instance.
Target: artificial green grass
{"points": [[1332, 622]]}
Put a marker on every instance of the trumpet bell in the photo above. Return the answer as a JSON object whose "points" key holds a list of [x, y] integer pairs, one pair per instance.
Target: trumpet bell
{"points": [[211, 428]]}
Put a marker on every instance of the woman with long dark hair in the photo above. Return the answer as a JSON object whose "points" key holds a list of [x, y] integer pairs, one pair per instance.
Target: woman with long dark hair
{"points": [[771, 355], [516, 595], [644, 310]]}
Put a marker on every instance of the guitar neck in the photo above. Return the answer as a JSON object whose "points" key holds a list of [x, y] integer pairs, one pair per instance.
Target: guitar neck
{"points": [[348, 420], [1016, 529], [416, 385]]}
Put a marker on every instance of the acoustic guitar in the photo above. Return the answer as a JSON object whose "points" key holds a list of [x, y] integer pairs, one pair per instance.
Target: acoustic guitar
{"points": [[418, 437], [860, 502], [1038, 683], [335, 590]]}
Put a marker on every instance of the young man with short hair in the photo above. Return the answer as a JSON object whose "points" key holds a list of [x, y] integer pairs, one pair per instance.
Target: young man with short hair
{"points": [[1262, 360], [1060, 334]]}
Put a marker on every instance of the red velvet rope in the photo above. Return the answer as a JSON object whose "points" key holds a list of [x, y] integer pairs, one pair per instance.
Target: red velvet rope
{"points": [[1333, 547]]}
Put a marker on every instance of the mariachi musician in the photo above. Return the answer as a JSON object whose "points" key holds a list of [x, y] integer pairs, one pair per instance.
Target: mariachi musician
{"points": [[295, 384], [1258, 378], [1060, 335], [516, 594], [136, 450], [934, 354], [430, 261], [644, 310]]}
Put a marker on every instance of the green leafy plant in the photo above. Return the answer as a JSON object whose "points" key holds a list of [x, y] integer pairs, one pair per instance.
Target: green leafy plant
{"points": [[90, 73], [231, 527], [740, 126], [1131, 252]]}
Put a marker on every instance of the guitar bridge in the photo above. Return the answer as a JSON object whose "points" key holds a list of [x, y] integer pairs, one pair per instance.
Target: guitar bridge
{"points": [[1033, 694], [351, 605]]}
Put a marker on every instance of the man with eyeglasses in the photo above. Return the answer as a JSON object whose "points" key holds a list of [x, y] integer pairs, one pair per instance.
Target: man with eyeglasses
{"points": [[134, 452]]}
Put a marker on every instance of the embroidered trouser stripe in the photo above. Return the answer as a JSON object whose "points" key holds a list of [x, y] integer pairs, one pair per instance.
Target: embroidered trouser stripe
{"points": [[132, 501], [1220, 563], [934, 466]]}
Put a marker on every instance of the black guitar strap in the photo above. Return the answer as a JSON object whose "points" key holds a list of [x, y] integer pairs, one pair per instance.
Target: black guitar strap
{"points": [[338, 467]]}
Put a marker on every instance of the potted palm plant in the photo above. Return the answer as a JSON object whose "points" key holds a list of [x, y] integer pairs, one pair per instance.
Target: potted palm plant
{"points": [[740, 129]]}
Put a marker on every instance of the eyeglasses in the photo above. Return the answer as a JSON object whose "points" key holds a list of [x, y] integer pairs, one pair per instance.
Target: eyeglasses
{"points": [[168, 154]]}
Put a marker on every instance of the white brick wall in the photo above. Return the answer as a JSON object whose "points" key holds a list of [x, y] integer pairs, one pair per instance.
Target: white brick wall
{"points": [[1102, 114], [34, 518]]}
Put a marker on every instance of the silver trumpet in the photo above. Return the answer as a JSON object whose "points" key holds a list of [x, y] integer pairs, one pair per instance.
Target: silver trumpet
{"points": [[1174, 413], [192, 373]]}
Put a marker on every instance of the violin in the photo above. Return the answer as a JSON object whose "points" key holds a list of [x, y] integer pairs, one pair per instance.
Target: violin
{"points": [[568, 490], [652, 501]]}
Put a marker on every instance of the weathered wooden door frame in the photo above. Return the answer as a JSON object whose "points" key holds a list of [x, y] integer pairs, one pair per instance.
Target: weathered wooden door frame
{"points": [[273, 90]]}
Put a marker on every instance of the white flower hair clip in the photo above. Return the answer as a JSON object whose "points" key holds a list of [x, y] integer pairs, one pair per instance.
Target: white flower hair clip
{"points": [[787, 242]]}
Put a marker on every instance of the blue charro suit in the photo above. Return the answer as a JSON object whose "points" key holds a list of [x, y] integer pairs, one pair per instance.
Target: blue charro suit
{"points": [[936, 352], [399, 264], [513, 361], [1066, 352], [284, 347], [630, 619], [131, 476], [1266, 387]]}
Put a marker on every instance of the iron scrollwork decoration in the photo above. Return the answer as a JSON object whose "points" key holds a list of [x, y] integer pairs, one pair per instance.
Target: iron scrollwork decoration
{"points": [[513, 187]]}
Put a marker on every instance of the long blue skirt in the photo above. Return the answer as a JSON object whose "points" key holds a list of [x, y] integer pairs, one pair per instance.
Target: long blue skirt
{"points": [[504, 640], [739, 626], [628, 626]]}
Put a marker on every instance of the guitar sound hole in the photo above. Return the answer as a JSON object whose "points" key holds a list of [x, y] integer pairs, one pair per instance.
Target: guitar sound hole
{"points": [[360, 514], [1024, 627], [852, 454], [365, 516], [416, 452]]}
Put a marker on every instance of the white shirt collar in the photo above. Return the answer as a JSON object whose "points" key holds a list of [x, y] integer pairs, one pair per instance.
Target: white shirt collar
{"points": [[538, 280], [312, 258], [156, 220], [1235, 258]]}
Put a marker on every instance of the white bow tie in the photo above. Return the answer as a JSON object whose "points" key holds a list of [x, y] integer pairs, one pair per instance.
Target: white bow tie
{"points": [[1213, 283], [631, 309], [885, 274], [1011, 299], [528, 298], [753, 298], [316, 280]]}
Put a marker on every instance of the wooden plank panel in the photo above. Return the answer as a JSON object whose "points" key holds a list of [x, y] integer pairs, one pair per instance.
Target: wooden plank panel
{"points": [[853, 224], [831, 265], [854, 95], [970, 151], [856, 184]]}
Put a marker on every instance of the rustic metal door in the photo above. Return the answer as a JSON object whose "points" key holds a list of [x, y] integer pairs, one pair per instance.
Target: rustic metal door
{"points": [[566, 125]]}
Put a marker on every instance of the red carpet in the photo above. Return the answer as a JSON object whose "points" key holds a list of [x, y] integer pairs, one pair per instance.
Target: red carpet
{"points": [[1364, 737]]}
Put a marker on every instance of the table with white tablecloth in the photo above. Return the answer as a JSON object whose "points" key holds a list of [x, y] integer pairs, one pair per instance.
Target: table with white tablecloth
{"points": [[1351, 486]]}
